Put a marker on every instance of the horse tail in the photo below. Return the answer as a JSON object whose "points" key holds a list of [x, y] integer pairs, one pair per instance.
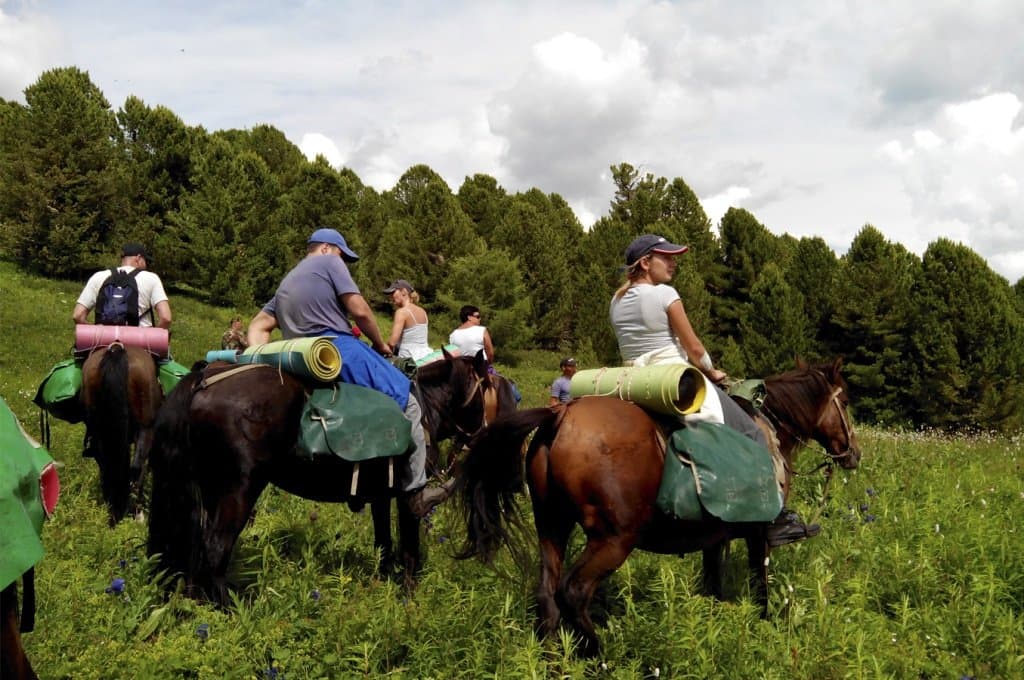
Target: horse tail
{"points": [[175, 512], [492, 476], [112, 427]]}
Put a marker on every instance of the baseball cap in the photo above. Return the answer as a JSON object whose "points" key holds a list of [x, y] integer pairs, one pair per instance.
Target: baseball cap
{"points": [[398, 284], [133, 249], [333, 238], [568, 361], [649, 243]]}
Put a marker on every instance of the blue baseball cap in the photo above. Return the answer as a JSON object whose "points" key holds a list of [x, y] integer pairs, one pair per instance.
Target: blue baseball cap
{"points": [[333, 238], [651, 243]]}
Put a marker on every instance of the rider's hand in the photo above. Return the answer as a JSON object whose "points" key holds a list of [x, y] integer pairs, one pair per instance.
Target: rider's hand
{"points": [[717, 376]]}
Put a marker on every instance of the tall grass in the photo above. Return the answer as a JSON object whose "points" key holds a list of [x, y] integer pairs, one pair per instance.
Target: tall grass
{"points": [[917, 573]]}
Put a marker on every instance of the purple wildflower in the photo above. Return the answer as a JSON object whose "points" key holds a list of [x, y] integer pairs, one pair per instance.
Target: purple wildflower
{"points": [[116, 587], [203, 631]]}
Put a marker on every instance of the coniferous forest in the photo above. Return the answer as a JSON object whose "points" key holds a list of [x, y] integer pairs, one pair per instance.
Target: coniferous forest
{"points": [[934, 341]]}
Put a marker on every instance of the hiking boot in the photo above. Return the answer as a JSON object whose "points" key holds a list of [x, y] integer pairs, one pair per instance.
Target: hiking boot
{"points": [[789, 528], [429, 497]]}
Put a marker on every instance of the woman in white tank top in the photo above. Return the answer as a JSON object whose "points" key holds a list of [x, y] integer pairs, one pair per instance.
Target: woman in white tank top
{"points": [[409, 330], [472, 336]]}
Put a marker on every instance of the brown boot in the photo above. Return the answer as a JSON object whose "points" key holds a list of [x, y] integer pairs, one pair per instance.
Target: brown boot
{"points": [[429, 497]]}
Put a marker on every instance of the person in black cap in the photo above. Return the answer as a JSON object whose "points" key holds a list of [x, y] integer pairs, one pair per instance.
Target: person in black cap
{"points": [[316, 298], [560, 388], [652, 327], [154, 309]]}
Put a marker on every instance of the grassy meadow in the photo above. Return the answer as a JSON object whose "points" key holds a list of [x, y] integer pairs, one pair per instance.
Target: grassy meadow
{"points": [[918, 572]]}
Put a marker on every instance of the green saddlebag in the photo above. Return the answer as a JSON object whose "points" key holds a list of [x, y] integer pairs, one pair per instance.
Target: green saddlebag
{"points": [[354, 423], [21, 498], [170, 373], [715, 467], [58, 393]]}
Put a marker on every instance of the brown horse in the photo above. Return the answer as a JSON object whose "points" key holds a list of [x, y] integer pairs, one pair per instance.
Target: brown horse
{"points": [[220, 442], [121, 395], [597, 462], [14, 664]]}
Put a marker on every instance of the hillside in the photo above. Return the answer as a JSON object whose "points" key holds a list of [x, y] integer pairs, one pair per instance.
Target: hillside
{"points": [[918, 571]]}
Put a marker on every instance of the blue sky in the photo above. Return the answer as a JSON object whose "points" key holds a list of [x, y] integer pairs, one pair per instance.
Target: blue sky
{"points": [[817, 116]]}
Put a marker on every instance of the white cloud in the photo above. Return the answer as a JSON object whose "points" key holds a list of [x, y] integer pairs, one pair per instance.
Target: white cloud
{"points": [[816, 115], [967, 187]]}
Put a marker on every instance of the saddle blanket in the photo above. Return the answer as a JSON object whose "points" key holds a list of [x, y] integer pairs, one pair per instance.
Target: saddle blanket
{"points": [[716, 468]]}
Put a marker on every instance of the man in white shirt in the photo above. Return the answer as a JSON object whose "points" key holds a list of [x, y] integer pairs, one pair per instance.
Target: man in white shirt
{"points": [[154, 308]]}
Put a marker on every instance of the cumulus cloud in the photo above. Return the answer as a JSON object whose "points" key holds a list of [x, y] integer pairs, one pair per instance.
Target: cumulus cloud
{"points": [[962, 176], [29, 43]]}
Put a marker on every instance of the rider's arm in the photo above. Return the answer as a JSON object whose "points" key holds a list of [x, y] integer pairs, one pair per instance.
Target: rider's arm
{"points": [[397, 327], [488, 346], [361, 313], [259, 329], [163, 314], [81, 313], [689, 341]]}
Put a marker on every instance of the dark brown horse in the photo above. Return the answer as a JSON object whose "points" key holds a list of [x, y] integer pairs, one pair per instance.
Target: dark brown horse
{"points": [[597, 462], [219, 443], [499, 400], [121, 395]]}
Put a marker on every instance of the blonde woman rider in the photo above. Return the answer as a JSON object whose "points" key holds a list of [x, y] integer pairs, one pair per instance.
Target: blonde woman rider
{"points": [[409, 330], [652, 328]]}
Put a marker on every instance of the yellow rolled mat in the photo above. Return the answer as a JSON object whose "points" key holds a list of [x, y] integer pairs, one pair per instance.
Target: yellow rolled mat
{"points": [[654, 387], [311, 357]]}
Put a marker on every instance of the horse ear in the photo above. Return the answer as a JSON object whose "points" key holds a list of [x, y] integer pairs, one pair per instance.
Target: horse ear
{"points": [[444, 352], [800, 363], [837, 365], [480, 364]]}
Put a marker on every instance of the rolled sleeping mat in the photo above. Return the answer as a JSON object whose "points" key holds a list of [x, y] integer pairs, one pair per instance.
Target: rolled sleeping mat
{"points": [[673, 389], [229, 355], [90, 336], [437, 355], [316, 358]]}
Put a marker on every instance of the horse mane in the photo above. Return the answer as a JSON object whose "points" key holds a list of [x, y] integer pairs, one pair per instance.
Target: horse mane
{"points": [[792, 395]]}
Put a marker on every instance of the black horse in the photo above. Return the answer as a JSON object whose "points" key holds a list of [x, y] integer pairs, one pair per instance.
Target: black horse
{"points": [[219, 441]]}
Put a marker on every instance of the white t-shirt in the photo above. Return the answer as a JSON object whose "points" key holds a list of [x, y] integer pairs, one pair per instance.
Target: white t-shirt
{"points": [[468, 340], [151, 292], [640, 319]]}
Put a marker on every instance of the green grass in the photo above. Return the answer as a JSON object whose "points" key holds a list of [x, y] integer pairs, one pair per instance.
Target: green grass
{"points": [[918, 572]]}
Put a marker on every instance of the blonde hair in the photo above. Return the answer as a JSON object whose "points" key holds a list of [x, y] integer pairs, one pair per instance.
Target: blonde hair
{"points": [[414, 296], [633, 272]]}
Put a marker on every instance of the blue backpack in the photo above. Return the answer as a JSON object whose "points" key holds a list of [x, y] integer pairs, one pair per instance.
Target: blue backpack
{"points": [[118, 301]]}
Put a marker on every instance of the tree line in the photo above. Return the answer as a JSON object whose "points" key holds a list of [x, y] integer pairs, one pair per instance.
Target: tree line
{"points": [[929, 341]]}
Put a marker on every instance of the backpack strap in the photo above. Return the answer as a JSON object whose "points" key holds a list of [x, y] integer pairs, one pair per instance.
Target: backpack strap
{"points": [[152, 318]]}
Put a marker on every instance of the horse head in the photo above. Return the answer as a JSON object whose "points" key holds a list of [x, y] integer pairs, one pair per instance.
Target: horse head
{"points": [[455, 393], [834, 428]]}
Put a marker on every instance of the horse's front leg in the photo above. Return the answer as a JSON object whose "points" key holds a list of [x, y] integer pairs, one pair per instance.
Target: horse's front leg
{"points": [[137, 474], [380, 510], [409, 544], [757, 560], [712, 570]]}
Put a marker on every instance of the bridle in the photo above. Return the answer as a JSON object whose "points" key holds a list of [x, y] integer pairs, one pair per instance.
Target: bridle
{"points": [[847, 427]]}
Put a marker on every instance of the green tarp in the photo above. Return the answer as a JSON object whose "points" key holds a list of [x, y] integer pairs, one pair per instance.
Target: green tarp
{"points": [[22, 462], [715, 467]]}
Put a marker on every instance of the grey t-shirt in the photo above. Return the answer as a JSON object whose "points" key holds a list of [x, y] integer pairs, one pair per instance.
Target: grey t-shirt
{"points": [[640, 319], [306, 303]]}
